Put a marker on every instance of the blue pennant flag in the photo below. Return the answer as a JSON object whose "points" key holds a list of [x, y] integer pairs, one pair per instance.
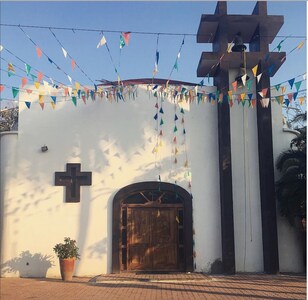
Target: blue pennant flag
{"points": [[54, 99], [28, 104], [291, 82], [50, 60]]}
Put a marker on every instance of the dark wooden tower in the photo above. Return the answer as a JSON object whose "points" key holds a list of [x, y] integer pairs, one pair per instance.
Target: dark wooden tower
{"points": [[257, 30]]}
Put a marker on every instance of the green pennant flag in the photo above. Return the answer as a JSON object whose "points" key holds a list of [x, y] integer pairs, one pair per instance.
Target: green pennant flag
{"points": [[277, 86], [33, 77], [297, 85], [15, 91], [28, 68], [74, 99], [161, 122], [182, 110], [248, 84], [10, 73], [176, 65], [175, 129], [122, 42]]}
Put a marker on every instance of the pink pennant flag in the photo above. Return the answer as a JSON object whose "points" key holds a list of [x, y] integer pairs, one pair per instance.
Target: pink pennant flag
{"points": [[83, 97], [39, 52], [39, 76], [24, 81], [290, 97], [29, 91], [73, 64], [65, 92], [234, 85], [126, 36], [42, 105], [1, 88]]}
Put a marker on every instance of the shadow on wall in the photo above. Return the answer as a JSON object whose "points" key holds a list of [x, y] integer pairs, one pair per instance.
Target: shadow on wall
{"points": [[28, 265]]}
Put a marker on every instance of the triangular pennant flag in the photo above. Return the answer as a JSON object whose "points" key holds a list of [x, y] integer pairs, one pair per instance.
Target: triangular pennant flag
{"points": [[175, 117], [253, 103], [65, 91], [287, 102], [290, 97], [301, 100], [29, 91], [265, 102], [39, 52], [161, 122], [64, 52], [122, 42], [264, 92], [255, 70], [261, 94], [160, 132], [28, 68], [41, 98], [126, 36], [28, 104], [102, 42], [243, 78], [243, 95], [15, 91], [39, 76], [283, 89], [234, 85], [259, 77], [37, 84], [175, 161], [184, 131], [186, 164], [50, 60], [33, 77], [161, 110], [42, 105], [249, 96], [295, 95], [230, 94], [70, 79], [10, 67], [176, 65], [174, 140], [300, 45], [77, 85], [74, 99], [229, 47], [155, 117], [24, 81], [10, 73], [83, 97], [53, 105], [54, 99], [73, 65], [156, 105], [1, 48], [297, 85], [175, 129], [291, 82], [182, 110], [277, 87], [1, 88]]}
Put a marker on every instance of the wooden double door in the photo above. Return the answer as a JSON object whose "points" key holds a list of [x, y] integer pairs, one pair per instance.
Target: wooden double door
{"points": [[153, 238]]}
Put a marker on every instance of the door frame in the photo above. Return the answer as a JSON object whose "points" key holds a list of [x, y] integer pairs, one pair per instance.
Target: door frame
{"points": [[148, 186]]}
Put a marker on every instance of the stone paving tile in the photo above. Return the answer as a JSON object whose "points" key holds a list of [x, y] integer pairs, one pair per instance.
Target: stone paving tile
{"points": [[156, 287]]}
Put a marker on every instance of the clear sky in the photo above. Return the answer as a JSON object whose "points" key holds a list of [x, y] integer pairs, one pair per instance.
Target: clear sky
{"points": [[136, 60]]}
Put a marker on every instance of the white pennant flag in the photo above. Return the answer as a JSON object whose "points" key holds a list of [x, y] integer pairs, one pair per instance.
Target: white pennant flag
{"points": [[51, 80], [1, 48], [265, 102], [70, 79], [47, 86], [244, 79], [70, 90], [64, 52], [179, 54], [261, 94], [259, 76], [102, 42]]}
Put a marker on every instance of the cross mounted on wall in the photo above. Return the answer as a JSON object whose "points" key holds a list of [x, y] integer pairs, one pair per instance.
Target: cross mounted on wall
{"points": [[72, 179]]}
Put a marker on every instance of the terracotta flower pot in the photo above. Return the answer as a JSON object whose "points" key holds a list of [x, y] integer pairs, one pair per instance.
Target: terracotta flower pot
{"points": [[67, 268]]}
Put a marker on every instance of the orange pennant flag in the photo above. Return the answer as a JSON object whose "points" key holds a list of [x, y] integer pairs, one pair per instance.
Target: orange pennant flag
{"points": [[1, 88], [39, 52], [234, 85], [65, 92], [29, 91], [73, 64], [300, 45], [39, 76], [53, 105], [24, 81], [264, 92], [41, 98], [253, 103], [301, 100], [42, 105], [283, 89]]}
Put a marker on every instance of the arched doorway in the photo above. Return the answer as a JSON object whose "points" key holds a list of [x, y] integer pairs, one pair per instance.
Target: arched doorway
{"points": [[152, 228]]}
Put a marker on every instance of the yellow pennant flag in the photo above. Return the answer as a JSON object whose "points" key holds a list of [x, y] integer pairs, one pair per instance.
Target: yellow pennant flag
{"points": [[301, 100], [229, 47], [254, 70], [283, 89], [243, 96], [41, 98], [37, 84], [77, 85], [53, 105]]}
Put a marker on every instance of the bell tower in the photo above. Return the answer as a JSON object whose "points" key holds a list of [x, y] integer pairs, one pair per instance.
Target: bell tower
{"points": [[257, 31]]}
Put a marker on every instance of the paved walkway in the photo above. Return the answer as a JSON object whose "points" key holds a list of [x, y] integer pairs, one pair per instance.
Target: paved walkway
{"points": [[157, 286]]}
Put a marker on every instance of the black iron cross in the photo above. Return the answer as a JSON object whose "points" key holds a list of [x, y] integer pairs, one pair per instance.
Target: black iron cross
{"points": [[72, 179]]}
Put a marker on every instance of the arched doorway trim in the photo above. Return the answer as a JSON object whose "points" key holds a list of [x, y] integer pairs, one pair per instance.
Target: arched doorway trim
{"points": [[153, 194]]}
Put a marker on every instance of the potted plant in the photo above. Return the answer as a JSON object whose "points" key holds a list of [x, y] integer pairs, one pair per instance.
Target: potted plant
{"points": [[67, 254]]}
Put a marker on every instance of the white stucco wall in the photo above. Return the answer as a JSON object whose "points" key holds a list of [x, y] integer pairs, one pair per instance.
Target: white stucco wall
{"points": [[115, 141]]}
